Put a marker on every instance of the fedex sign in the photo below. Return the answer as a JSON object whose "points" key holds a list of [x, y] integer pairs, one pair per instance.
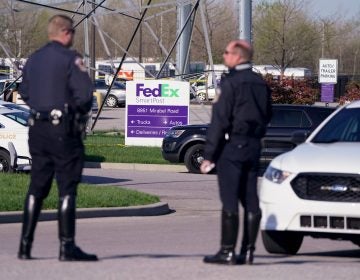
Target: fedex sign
{"points": [[161, 90], [152, 108]]}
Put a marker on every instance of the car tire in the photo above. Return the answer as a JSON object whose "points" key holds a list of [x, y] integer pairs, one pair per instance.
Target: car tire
{"points": [[282, 242], [194, 157], [111, 101], [201, 96], [356, 242], [4, 161]]}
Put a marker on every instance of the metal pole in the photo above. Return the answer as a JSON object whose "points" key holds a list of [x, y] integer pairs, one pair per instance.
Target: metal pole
{"points": [[245, 21], [123, 49], [177, 38], [152, 33], [89, 13], [187, 58], [120, 65], [208, 48], [158, 40], [93, 46], [183, 12], [103, 41], [140, 36], [86, 38]]}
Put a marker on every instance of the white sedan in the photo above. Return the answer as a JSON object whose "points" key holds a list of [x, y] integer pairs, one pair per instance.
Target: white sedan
{"points": [[13, 128], [314, 190]]}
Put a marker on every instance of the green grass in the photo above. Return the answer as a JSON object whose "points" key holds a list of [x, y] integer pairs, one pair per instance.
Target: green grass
{"points": [[13, 188], [102, 147]]}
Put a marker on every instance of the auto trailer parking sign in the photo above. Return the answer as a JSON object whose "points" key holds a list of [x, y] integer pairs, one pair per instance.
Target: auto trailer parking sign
{"points": [[328, 69], [152, 108]]}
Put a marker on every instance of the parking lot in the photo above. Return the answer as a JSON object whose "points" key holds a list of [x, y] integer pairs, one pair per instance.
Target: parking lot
{"points": [[170, 246]]}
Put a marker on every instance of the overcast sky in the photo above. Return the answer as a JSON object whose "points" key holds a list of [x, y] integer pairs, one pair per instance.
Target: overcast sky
{"points": [[324, 8]]}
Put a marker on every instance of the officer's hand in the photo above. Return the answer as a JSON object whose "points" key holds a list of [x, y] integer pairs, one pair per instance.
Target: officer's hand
{"points": [[206, 166]]}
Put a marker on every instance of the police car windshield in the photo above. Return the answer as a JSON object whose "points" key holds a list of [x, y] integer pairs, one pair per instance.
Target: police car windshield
{"points": [[19, 117], [15, 106], [343, 127]]}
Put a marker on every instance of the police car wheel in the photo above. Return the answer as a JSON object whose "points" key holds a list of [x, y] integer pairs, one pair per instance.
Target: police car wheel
{"points": [[111, 101], [193, 158], [4, 161], [282, 242], [202, 96]]}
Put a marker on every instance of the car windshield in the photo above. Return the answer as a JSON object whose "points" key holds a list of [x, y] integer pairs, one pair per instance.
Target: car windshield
{"points": [[343, 127], [118, 85], [19, 117], [15, 106], [2, 84], [103, 85]]}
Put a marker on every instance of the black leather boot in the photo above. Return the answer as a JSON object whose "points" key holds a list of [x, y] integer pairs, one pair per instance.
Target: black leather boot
{"points": [[32, 210], [251, 230], [66, 215], [229, 233], [241, 259]]}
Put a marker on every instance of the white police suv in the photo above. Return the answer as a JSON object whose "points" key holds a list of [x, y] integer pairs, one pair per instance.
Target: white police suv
{"points": [[314, 190], [13, 128]]}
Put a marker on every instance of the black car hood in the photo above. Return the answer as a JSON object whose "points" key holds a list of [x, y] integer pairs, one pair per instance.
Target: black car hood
{"points": [[191, 126]]}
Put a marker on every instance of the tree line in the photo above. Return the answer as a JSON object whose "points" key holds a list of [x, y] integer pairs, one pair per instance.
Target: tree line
{"points": [[285, 32]]}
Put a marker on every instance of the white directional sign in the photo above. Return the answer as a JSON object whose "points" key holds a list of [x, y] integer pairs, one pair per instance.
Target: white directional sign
{"points": [[152, 108], [328, 71]]}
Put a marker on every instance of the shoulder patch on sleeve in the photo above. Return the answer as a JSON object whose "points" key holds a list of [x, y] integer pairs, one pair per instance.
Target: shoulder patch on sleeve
{"points": [[79, 62]]}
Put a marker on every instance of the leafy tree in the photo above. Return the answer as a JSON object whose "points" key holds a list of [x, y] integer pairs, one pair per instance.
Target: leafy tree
{"points": [[284, 35]]}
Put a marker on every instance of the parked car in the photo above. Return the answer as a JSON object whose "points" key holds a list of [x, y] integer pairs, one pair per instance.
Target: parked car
{"points": [[186, 143], [204, 86], [13, 128], [117, 96], [7, 89], [314, 190], [10, 105]]}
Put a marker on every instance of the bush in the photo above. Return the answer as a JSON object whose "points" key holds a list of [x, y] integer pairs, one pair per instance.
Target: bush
{"points": [[352, 93], [293, 91]]}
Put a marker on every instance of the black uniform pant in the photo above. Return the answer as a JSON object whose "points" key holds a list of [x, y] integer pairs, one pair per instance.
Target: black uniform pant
{"points": [[237, 174], [57, 154]]}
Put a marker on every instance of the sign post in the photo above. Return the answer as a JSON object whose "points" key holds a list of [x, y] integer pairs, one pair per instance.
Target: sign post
{"points": [[152, 108], [328, 72]]}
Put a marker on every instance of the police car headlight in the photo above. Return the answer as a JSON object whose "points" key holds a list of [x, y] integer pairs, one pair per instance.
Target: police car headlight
{"points": [[276, 175], [175, 133]]}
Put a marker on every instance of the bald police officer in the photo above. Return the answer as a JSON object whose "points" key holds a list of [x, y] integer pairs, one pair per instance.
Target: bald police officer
{"points": [[239, 121], [58, 91]]}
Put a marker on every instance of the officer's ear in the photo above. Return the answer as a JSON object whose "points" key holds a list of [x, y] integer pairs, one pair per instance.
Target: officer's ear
{"points": [[69, 31]]}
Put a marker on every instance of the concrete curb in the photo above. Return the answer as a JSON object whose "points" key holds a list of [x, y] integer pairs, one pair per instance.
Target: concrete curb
{"points": [[155, 209], [136, 166]]}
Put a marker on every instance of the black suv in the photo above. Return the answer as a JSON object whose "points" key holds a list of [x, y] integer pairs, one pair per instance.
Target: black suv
{"points": [[186, 143]]}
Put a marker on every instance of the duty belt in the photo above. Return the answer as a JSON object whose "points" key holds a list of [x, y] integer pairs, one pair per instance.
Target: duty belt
{"points": [[54, 116]]}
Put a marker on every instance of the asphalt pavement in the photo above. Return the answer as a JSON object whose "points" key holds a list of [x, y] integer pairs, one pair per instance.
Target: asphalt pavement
{"points": [[169, 246]]}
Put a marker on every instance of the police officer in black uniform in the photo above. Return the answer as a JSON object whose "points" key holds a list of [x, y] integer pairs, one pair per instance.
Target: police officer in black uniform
{"points": [[58, 91], [239, 121]]}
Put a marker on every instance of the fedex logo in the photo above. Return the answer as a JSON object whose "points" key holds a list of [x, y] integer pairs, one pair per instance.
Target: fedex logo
{"points": [[163, 90]]}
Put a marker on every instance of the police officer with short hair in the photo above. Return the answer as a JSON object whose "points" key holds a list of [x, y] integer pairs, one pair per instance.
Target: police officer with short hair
{"points": [[58, 91], [239, 121]]}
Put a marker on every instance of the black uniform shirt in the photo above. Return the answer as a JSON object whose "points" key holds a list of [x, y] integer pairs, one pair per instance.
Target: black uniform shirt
{"points": [[243, 109], [53, 76]]}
